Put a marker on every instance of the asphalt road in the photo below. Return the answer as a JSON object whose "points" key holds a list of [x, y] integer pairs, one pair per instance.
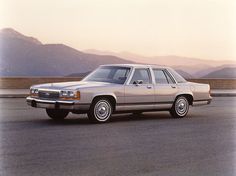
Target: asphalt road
{"points": [[203, 144]]}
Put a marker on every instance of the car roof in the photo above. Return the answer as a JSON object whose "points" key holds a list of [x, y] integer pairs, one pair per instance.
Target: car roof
{"points": [[137, 65]]}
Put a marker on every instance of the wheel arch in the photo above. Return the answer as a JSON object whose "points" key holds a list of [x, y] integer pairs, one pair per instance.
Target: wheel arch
{"points": [[189, 97], [110, 97]]}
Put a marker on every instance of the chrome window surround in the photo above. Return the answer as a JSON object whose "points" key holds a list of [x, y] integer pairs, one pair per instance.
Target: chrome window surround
{"points": [[166, 73], [150, 74], [171, 76]]}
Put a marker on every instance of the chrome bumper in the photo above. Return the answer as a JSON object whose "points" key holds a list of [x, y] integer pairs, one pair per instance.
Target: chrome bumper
{"points": [[202, 102], [56, 104]]}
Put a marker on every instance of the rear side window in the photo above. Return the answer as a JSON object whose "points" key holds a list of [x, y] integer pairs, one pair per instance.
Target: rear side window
{"points": [[177, 76], [160, 77], [141, 74], [169, 79]]}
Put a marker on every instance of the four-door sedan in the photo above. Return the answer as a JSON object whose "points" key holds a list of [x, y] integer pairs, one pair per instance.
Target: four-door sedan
{"points": [[120, 88]]}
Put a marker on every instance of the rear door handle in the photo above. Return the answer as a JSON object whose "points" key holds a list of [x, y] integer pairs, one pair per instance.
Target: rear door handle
{"points": [[173, 87], [149, 87]]}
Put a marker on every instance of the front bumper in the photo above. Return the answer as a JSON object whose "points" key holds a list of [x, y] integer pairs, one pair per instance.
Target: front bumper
{"points": [[56, 104]]}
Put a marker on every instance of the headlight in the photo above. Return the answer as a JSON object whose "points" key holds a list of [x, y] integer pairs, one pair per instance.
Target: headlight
{"points": [[68, 94], [64, 94], [34, 92], [71, 94]]}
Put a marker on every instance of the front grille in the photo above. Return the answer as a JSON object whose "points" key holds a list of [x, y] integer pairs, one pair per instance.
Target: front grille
{"points": [[48, 94]]}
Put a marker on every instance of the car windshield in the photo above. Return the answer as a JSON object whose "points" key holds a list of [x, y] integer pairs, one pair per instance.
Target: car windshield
{"points": [[109, 74]]}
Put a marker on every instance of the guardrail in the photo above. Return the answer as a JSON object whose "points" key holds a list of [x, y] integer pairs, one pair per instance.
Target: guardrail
{"points": [[26, 82], [217, 83]]}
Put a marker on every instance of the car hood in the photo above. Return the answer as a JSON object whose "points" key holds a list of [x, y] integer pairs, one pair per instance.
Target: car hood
{"points": [[71, 85]]}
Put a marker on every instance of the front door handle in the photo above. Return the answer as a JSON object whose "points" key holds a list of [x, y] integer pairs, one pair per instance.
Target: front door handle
{"points": [[173, 87], [149, 87]]}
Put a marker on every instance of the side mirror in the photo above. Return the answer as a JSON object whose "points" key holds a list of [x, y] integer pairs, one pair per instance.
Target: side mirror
{"points": [[138, 82]]}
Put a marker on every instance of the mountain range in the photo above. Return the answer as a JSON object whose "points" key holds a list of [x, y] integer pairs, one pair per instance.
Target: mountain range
{"points": [[227, 72], [26, 56], [187, 66], [21, 55]]}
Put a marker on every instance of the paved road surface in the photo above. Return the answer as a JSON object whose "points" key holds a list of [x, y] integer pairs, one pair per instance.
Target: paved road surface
{"points": [[204, 144]]}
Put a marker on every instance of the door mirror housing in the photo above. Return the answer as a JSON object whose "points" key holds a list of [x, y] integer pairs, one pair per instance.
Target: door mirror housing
{"points": [[138, 82]]}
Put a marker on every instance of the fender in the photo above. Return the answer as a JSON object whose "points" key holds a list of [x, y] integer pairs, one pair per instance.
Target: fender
{"points": [[185, 93], [104, 94]]}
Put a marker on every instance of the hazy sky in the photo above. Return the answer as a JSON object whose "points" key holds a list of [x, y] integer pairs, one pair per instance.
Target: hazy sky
{"points": [[194, 28]]}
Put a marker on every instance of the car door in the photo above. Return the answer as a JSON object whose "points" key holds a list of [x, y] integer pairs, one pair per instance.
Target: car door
{"points": [[165, 87], [139, 91]]}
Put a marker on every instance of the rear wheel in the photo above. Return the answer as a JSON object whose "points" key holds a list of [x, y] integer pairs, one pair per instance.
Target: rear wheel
{"points": [[57, 114], [180, 107], [100, 110]]}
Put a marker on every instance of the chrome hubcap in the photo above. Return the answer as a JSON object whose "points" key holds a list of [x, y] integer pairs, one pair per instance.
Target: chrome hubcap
{"points": [[181, 106], [102, 110]]}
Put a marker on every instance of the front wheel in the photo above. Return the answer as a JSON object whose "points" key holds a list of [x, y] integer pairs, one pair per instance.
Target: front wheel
{"points": [[57, 114], [100, 110], [180, 107]]}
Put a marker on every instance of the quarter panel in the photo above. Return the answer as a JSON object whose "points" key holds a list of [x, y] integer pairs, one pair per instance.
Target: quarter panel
{"points": [[200, 91], [165, 92]]}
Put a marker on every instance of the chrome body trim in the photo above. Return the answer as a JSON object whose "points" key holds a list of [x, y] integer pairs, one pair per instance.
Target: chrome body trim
{"points": [[134, 107], [70, 102], [49, 90], [171, 75], [57, 104], [142, 107]]}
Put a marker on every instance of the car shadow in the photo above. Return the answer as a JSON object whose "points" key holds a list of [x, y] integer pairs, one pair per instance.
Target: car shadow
{"points": [[116, 118], [42, 122], [141, 117], [82, 120]]}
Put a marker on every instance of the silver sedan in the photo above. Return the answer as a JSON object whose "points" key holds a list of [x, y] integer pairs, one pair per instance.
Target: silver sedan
{"points": [[120, 88]]}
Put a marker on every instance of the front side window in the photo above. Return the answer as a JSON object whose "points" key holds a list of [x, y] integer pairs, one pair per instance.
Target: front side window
{"points": [[110, 74], [142, 75]]}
